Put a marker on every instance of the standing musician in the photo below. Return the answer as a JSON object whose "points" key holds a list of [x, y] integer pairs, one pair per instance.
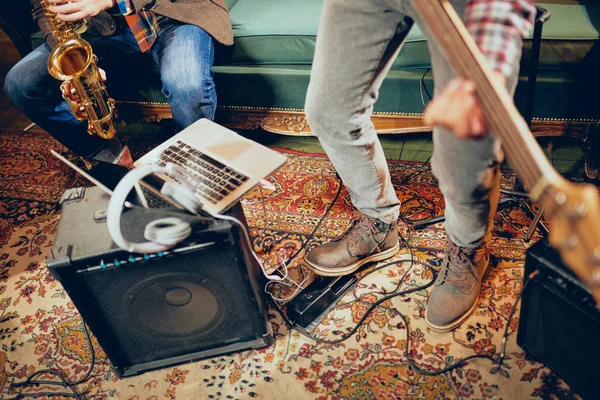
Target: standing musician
{"points": [[357, 43], [180, 35]]}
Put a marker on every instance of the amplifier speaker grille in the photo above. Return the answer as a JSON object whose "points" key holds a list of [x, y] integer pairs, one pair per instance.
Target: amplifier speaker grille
{"points": [[200, 300], [175, 305]]}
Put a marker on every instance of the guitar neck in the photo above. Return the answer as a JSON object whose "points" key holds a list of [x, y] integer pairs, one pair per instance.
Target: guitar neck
{"points": [[504, 120]]}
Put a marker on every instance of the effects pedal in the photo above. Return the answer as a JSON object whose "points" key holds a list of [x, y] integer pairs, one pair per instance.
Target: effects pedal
{"points": [[313, 303]]}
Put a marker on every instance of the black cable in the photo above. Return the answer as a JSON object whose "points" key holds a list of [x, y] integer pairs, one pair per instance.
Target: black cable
{"points": [[314, 231], [312, 234], [40, 394], [65, 383], [429, 208], [373, 305], [377, 304], [341, 184], [421, 169], [422, 87]]}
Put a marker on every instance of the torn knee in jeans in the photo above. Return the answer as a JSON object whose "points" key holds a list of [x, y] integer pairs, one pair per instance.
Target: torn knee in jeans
{"points": [[487, 180]]}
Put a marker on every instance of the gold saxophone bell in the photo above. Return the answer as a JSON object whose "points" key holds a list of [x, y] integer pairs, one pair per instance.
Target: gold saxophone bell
{"points": [[73, 62]]}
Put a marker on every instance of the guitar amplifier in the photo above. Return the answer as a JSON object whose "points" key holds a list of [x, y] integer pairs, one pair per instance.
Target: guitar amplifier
{"points": [[559, 321], [148, 311]]}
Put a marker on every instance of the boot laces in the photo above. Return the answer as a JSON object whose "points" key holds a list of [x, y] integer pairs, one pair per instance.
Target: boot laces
{"points": [[459, 264], [362, 226]]}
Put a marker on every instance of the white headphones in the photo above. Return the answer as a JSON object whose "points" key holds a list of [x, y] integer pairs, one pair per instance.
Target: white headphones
{"points": [[163, 233]]}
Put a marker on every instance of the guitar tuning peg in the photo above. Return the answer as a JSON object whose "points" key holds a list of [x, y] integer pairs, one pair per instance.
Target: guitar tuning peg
{"points": [[572, 241], [596, 275], [597, 255], [560, 198], [581, 209]]}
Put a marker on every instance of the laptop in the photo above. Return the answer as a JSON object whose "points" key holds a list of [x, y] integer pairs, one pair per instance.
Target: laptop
{"points": [[106, 176], [222, 164]]}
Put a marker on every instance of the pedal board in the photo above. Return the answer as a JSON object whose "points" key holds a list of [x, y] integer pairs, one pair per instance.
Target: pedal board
{"points": [[321, 296]]}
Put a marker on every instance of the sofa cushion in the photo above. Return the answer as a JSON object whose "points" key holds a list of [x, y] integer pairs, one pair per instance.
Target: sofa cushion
{"points": [[284, 32], [569, 38], [274, 32], [274, 44], [269, 64]]}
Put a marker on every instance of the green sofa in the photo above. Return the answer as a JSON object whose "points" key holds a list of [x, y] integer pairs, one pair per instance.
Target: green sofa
{"points": [[262, 79]]}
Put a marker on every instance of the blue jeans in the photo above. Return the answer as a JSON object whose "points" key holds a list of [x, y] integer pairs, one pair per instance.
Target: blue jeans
{"points": [[185, 54], [357, 44]]}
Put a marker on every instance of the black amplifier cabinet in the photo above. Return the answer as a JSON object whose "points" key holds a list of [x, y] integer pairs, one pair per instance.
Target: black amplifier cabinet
{"points": [[559, 322], [148, 311]]}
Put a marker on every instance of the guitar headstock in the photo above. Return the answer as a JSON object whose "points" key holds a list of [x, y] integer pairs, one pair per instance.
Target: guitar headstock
{"points": [[575, 231]]}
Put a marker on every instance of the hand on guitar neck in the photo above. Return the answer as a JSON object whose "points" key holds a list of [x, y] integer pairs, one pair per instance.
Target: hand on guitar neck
{"points": [[456, 108], [574, 209]]}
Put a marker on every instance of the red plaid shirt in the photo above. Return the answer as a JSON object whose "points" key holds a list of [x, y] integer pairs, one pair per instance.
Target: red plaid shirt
{"points": [[498, 27], [144, 24]]}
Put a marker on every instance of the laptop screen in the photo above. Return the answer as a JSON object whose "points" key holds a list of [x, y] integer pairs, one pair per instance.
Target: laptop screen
{"points": [[104, 175]]}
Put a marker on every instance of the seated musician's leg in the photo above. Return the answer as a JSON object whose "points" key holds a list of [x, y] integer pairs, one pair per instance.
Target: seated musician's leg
{"points": [[36, 93], [185, 54]]}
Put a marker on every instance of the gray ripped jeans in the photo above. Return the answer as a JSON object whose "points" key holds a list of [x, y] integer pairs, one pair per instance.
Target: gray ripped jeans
{"points": [[357, 43]]}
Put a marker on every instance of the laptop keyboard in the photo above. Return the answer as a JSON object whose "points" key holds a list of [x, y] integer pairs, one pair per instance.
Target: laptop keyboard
{"points": [[153, 200], [216, 180]]}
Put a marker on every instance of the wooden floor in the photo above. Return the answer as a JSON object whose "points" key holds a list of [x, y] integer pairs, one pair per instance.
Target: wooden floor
{"points": [[564, 153]]}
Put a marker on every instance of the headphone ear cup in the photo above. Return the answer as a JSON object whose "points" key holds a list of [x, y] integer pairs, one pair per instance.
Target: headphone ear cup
{"points": [[182, 196], [168, 231]]}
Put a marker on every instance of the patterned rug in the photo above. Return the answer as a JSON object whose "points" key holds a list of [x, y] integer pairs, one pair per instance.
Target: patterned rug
{"points": [[40, 328]]}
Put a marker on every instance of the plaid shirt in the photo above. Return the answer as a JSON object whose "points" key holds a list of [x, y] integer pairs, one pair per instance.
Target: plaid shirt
{"points": [[144, 24], [498, 27]]}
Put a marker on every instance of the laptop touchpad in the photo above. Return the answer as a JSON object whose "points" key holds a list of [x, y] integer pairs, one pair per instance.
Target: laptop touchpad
{"points": [[230, 148]]}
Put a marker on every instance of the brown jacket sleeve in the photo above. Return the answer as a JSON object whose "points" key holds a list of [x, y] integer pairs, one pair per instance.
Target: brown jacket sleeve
{"points": [[210, 15], [42, 21], [140, 4]]}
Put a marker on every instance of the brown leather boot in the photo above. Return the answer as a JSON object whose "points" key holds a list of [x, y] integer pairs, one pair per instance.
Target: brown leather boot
{"points": [[367, 240], [456, 291]]}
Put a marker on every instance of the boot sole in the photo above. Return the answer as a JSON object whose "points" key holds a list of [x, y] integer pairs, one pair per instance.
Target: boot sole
{"points": [[340, 271], [455, 324]]}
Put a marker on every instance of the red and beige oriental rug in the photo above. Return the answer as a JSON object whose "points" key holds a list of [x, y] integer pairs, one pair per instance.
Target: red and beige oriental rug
{"points": [[40, 328]]}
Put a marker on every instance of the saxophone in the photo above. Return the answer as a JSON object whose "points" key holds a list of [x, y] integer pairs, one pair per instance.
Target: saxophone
{"points": [[73, 62]]}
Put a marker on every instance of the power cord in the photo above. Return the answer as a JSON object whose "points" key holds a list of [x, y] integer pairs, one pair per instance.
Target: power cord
{"points": [[64, 382], [377, 304], [305, 244], [423, 87], [395, 293], [371, 306], [312, 234]]}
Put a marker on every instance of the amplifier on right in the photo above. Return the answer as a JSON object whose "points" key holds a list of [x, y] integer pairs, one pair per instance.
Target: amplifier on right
{"points": [[559, 321]]}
